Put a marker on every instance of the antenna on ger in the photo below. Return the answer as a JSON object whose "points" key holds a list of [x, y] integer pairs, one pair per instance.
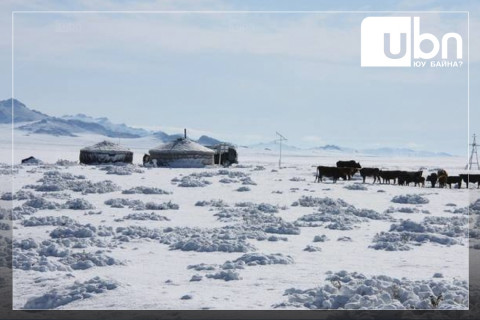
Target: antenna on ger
{"points": [[280, 139]]}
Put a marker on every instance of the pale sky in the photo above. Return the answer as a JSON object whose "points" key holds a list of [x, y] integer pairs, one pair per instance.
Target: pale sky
{"points": [[242, 76]]}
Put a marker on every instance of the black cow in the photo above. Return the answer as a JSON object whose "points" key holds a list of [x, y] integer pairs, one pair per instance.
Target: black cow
{"points": [[370, 172], [146, 159], [454, 180], [349, 172], [348, 164], [473, 178], [388, 175], [419, 181], [407, 177], [329, 172], [433, 178]]}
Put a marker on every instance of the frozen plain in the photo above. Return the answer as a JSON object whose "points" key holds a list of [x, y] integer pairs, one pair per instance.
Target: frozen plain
{"points": [[275, 245]]}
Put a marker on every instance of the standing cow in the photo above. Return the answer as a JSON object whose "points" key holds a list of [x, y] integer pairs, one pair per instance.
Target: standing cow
{"points": [[471, 178], [348, 164], [329, 172], [370, 172]]}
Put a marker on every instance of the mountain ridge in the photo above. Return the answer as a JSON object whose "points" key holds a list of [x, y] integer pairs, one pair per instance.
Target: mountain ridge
{"points": [[71, 125]]}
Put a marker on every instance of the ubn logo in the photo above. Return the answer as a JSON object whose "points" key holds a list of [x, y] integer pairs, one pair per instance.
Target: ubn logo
{"points": [[394, 42]]}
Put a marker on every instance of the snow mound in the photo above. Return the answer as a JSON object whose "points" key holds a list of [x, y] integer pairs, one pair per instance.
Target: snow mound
{"points": [[408, 232], [321, 238], [206, 240], [248, 181], [83, 261], [355, 291], [228, 275], [50, 249], [254, 259], [402, 210], [48, 221], [78, 204], [19, 195], [25, 244], [410, 199], [40, 203], [311, 248], [196, 277], [217, 203], [202, 267], [77, 291], [145, 190], [335, 214], [137, 232], [356, 186], [232, 174], [121, 169], [191, 182], [309, 201], [263, 207], [145, 216], [74, 231], [140, 205], [30, 260], [54, 181], [441, 230], [275, 238]]}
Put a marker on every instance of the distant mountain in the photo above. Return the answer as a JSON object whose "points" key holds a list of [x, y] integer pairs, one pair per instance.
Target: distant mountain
{"points": [[61, 127], [65, 126], [404, 152], [20, 112], [272, 145], [108, 125], [165, 137], [208, 141], [335, 148], [72, 125]]}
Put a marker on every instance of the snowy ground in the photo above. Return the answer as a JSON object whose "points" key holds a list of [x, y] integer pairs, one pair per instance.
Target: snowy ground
{"points": [[192, 239]]}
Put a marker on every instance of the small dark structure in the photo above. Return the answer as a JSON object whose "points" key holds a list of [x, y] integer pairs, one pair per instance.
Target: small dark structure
{"points": [[31, 160], [225, 154], [105, 152]]}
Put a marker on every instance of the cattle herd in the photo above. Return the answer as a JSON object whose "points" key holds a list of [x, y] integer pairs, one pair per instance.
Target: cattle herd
{"points": [[347, 169]]}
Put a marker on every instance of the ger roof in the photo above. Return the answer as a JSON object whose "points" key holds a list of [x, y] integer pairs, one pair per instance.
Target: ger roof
{"points": [[107, 146], [181, 146]]}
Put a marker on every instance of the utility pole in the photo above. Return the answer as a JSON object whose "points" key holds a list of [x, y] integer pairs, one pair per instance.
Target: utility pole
{"points": [[280, 140], [474, 156]]}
